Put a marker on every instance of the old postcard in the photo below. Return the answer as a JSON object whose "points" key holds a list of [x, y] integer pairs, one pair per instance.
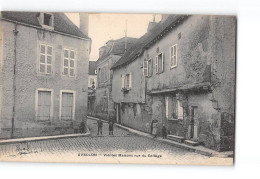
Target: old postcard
{"points": [[117, 88]]}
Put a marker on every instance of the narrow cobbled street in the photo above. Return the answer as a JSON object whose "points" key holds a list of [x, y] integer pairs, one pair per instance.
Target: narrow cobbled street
{"points": [[123, 146]]}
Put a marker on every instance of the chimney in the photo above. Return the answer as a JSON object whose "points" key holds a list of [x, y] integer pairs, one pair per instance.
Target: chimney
{"points": [[83, 24], [151, 25], [164, 17]]}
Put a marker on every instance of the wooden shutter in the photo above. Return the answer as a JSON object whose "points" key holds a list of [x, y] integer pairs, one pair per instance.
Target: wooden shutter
{"points": [[156, 64], [67, 106], [145, 68], [167, 107], [180, 110], [44, 105], [130, 80], [162, 63], [123, 81]]}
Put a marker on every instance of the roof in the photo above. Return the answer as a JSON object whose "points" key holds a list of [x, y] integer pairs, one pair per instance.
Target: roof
{"points": [[148, 39], [92, 67], [61, 22], [117, 47]]}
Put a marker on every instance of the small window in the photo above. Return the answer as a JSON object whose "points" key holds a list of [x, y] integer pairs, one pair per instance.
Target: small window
{"points": [[127, 81], [47, 19], [45, 59], [69, 61], [159, 63], [173, 56]]}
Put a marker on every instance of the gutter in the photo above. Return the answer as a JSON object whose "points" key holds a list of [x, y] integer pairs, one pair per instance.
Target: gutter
{"points": [[14, 79]]}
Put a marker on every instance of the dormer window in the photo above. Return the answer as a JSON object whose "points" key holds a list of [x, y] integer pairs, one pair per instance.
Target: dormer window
{"points": [[46, 20]]}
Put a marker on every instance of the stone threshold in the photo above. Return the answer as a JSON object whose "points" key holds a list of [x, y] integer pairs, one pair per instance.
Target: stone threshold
{"points": [[197, 149]]}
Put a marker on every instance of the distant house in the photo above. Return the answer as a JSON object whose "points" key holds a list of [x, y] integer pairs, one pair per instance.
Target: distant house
{"points": [[182, 73], [43, 73], [92, 77], [92, 82], [108, 55]]}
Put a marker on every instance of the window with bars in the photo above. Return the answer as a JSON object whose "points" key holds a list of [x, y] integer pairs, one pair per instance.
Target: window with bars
{"points": [[173, 56], [69, 63], [46, 59]]}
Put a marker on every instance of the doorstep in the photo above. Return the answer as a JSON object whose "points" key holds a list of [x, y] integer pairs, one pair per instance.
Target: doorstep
{"points": [[191, 143], [197, 149], [31, 139], [176, 138]]}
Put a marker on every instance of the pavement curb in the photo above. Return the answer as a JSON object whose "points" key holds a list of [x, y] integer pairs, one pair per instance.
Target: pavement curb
{"points": [[196, 149], [32, 139]]}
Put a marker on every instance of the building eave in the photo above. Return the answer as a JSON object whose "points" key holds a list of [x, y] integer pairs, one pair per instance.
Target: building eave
{"points": [[49, 30], [187, 87]]}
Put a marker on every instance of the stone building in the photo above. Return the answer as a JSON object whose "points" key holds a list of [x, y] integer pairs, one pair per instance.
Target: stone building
{"points": [[182, 73], [92, 83], [43, 73], [108, 55]]}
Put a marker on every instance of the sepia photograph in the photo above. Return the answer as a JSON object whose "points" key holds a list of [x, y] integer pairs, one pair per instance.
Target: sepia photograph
{"points": [[117, 88]]}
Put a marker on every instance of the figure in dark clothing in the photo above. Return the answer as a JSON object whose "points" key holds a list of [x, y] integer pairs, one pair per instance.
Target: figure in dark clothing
{"points": [[100, 125], [164, 132], [82, 127], [152, 126], [111, 128]]}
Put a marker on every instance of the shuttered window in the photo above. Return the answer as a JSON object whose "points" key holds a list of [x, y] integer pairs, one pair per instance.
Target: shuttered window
{"points": [[145, 68], [173, 56], [159, 63], [148, 68]]}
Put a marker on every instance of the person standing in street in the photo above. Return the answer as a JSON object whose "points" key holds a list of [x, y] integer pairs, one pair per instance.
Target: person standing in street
{"points": [[164, 132], [155, 128], [100, 125], [152, 126], [111, 128]]}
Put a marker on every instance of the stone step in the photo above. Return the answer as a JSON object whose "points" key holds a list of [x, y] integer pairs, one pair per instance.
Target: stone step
{"points": [[191, 143], [176, 138]]}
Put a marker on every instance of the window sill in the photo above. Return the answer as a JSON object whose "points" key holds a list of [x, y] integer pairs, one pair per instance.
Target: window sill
{"points": [[47, 27], [69, 76], [159, 73], [172, 67], [125, 90], [175, 120]]}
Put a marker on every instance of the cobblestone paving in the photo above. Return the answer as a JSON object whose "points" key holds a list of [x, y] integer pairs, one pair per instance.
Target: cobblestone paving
{"points": [[123, 147]]}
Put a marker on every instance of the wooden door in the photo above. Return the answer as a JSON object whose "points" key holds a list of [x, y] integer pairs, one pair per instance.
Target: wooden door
{"points": [[193, 123], [67, 106], [44, 105]]}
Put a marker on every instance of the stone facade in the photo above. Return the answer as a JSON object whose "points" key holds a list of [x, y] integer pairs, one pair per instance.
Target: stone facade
{"points": [[201, 87], [26, 79], [108, 56]]}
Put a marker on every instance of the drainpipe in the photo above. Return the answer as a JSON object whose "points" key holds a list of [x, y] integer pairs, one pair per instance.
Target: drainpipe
{"points": [[14, 80]]}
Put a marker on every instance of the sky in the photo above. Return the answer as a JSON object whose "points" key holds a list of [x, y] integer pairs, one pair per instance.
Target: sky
{"points": [[107, 26]]}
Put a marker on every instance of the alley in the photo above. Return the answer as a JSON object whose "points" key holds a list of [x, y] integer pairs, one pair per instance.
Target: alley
{"points": [[122, 147]]}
